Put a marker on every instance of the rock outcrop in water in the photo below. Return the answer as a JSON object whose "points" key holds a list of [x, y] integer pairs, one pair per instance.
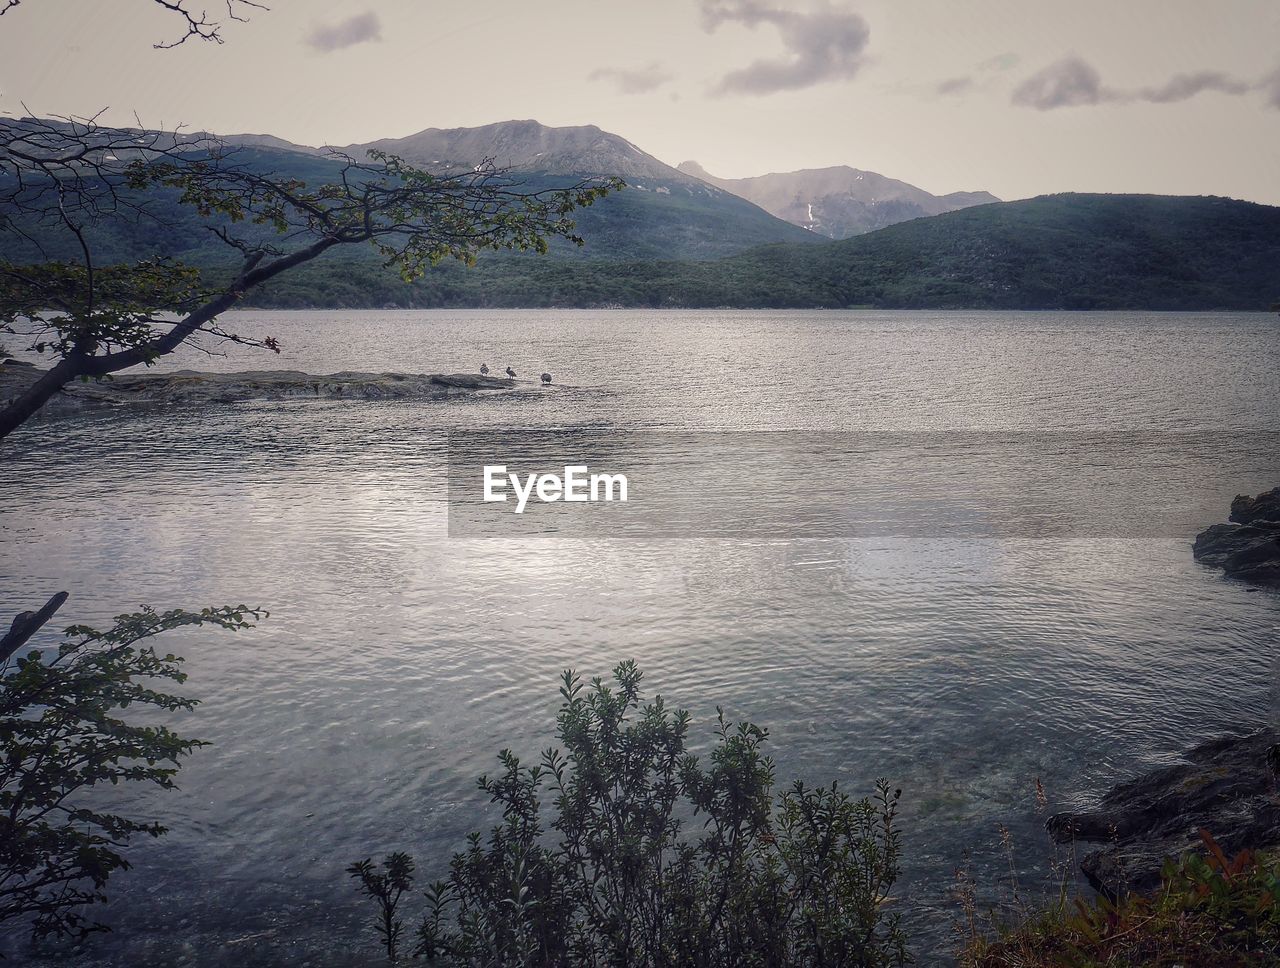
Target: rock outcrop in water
{"points": [[1227, 787], [191, 386], [1249, 547]]}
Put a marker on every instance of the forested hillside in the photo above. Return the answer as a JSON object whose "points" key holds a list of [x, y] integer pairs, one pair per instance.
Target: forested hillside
{"points": [[1052, 252]]}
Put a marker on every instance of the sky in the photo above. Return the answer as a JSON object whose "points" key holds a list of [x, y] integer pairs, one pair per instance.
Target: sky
{"points": [[1016, 97]]}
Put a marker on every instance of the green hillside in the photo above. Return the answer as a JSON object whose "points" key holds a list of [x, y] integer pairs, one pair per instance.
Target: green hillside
{"points": [[651, 219], [1058, 252], [1052, 252], [665, 242]]}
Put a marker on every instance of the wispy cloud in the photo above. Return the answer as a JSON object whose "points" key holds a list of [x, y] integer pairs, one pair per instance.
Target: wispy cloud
{"points": [[1001, 62], [1074, 82], [826, 43], [982, 75], [1069, 82], [1270, 85], [639, 80], [360, 29], [953, 85], [1180, 87]]}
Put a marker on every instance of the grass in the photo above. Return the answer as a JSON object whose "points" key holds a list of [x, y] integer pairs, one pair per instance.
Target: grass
{"points": [[1210, 910]]}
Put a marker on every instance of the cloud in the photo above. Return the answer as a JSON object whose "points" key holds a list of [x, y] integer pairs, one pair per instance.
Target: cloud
{"points": [[980, 76], [824, 44], [1270, 85], [361, 28], [1067, 83], [953, 85], [1001, 62], [637, 81], [1180, 87], [1072, 82]]}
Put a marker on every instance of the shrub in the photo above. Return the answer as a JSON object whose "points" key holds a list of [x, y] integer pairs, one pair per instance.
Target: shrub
{"points": [[61, 735], [796, 879]]}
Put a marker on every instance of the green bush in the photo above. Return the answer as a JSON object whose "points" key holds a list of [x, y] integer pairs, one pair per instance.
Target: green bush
{"points": [[797, 879]]}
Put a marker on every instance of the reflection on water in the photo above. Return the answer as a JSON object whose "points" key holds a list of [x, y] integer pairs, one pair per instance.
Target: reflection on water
{"points": [[660, 485], [398, 659]]}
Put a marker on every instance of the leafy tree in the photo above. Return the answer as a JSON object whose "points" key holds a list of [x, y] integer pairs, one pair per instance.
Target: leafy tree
{"points": [[797, 879], [97, 320], [63, 733]]}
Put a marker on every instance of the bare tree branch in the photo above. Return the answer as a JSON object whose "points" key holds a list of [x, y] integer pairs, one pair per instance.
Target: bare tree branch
{"points": [[198, 25]]}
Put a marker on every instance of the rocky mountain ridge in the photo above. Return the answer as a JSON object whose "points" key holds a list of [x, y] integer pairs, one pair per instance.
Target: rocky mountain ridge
{"points": [[840, 201]]}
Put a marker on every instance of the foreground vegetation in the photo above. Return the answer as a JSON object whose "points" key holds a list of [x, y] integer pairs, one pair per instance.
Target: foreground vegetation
{"points": [[621, 847], [643, 856], [611, 878], [1209, 910], [63, 732]]}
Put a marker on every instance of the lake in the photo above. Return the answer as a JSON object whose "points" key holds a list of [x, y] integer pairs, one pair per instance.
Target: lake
{"points": [[1021, 604]]}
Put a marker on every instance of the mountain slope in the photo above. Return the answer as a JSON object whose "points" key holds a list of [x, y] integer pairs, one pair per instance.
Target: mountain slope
{"points": [[525, 145], [1106, 252], [839, 202], [662, 214], [1069, 251], [529, 146]]}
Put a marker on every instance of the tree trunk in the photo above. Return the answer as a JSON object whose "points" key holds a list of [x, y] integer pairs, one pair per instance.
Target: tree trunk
{"points": [[27, 624], [39, 393], [36, 396]]}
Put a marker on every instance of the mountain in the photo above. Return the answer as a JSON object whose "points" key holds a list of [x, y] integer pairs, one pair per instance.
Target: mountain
{"points": [[662, 214], [839, 202], [1067, 251], [530, 146], [524, 145], [1100, 252], [261, 141], [672, 239]]}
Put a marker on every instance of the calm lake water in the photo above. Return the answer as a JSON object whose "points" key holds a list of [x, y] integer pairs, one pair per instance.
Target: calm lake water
{"points": [[962, 662]]}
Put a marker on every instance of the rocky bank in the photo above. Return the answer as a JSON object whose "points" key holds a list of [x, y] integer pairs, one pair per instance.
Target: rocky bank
{"points": [[1226, 786]]}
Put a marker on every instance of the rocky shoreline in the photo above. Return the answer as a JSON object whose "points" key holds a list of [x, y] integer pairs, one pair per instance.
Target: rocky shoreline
{"points": [[193, 386], [1248, 547], [1227, 786]]}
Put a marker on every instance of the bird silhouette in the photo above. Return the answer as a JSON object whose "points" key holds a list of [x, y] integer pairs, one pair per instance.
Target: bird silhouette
{"points": [[511, 373], [546, 379], [484, 369]]}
